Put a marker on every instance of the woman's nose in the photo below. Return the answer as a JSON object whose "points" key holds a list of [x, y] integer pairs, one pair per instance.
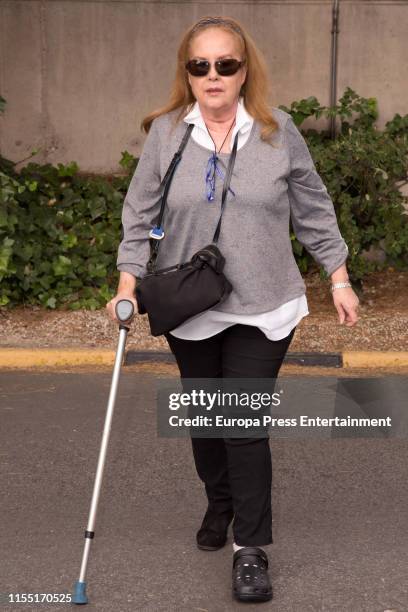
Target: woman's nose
{"points": [[212, 73]]}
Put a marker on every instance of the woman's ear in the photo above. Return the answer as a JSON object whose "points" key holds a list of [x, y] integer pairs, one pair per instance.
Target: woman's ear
{"points": [[245, 76], [245, 71]]}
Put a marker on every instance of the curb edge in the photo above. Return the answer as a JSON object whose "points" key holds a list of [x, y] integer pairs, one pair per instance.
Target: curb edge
{"points": [[27, 358]]}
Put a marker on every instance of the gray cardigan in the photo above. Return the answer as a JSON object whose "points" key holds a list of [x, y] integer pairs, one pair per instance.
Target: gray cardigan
{"points": [[271, 184]]}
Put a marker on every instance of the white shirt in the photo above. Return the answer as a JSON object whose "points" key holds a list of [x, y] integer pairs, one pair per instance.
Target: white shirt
{"points": [[276, 324]]}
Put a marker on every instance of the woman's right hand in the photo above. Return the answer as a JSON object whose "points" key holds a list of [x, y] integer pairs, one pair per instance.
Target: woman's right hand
{"points": [[121, 295]]}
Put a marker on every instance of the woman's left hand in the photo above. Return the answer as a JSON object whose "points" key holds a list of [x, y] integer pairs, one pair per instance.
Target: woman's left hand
{"points": [[346, 303]]}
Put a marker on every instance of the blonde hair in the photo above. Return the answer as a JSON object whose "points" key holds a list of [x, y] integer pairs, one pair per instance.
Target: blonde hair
{"points": [[254, 91]]}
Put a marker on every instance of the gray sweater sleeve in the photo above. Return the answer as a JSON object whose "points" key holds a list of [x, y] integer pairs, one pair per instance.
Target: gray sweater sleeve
{"points": [[140, 208], [311, 208]]}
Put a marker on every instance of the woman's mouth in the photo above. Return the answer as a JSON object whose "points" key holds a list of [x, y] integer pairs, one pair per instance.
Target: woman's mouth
{"points": [[214, 91]]}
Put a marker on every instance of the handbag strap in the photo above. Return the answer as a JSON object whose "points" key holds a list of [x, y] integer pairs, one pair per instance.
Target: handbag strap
{"points": [[170, 171], [226, 186], [155, 242]]}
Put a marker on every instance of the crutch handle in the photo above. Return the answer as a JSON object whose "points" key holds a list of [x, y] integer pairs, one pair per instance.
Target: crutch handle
{"points": [[124, 310]]}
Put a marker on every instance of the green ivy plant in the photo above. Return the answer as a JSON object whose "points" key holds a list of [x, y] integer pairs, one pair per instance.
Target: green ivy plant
{"points": [[363, 169], [58, 237], [60, 229]]}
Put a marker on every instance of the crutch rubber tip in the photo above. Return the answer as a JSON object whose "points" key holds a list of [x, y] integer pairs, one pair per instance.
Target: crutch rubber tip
{"points": [[79, 596]]}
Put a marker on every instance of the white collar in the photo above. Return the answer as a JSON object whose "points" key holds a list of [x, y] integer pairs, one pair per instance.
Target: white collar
{"points": [[243, 120]]}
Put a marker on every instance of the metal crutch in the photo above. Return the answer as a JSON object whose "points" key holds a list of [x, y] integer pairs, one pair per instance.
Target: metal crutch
{"points": [[124, 312]]}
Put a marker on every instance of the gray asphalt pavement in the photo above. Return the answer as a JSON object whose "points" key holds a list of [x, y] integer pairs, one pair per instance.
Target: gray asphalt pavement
{"points": [[340, 508]]}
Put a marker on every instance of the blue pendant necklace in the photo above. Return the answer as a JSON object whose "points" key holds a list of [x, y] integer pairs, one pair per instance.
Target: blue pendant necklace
{"points": [[213, 169]]}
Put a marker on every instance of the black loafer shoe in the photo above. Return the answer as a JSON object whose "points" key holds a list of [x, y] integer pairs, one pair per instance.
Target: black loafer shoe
{"points": [[250, 579], [212, 534]]}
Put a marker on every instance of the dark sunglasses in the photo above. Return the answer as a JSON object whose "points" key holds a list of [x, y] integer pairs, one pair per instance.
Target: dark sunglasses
{"points": [[224, 67]]}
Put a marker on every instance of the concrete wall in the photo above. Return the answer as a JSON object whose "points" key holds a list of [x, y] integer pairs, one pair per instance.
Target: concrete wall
{"points": [[79, 75]]}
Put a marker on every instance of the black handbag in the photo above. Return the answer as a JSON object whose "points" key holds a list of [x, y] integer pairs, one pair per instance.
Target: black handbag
{"points": [[172, 295]]}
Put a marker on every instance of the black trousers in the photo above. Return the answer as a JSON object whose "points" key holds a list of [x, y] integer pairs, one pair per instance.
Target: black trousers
{"points": [[236, 472]]}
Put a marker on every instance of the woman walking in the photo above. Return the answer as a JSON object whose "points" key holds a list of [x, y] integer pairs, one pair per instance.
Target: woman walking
{"points": [[221, 87]]}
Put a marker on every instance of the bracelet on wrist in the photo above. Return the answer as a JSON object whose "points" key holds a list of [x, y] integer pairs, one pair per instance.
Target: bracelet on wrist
{"points": [[341, 285]]}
